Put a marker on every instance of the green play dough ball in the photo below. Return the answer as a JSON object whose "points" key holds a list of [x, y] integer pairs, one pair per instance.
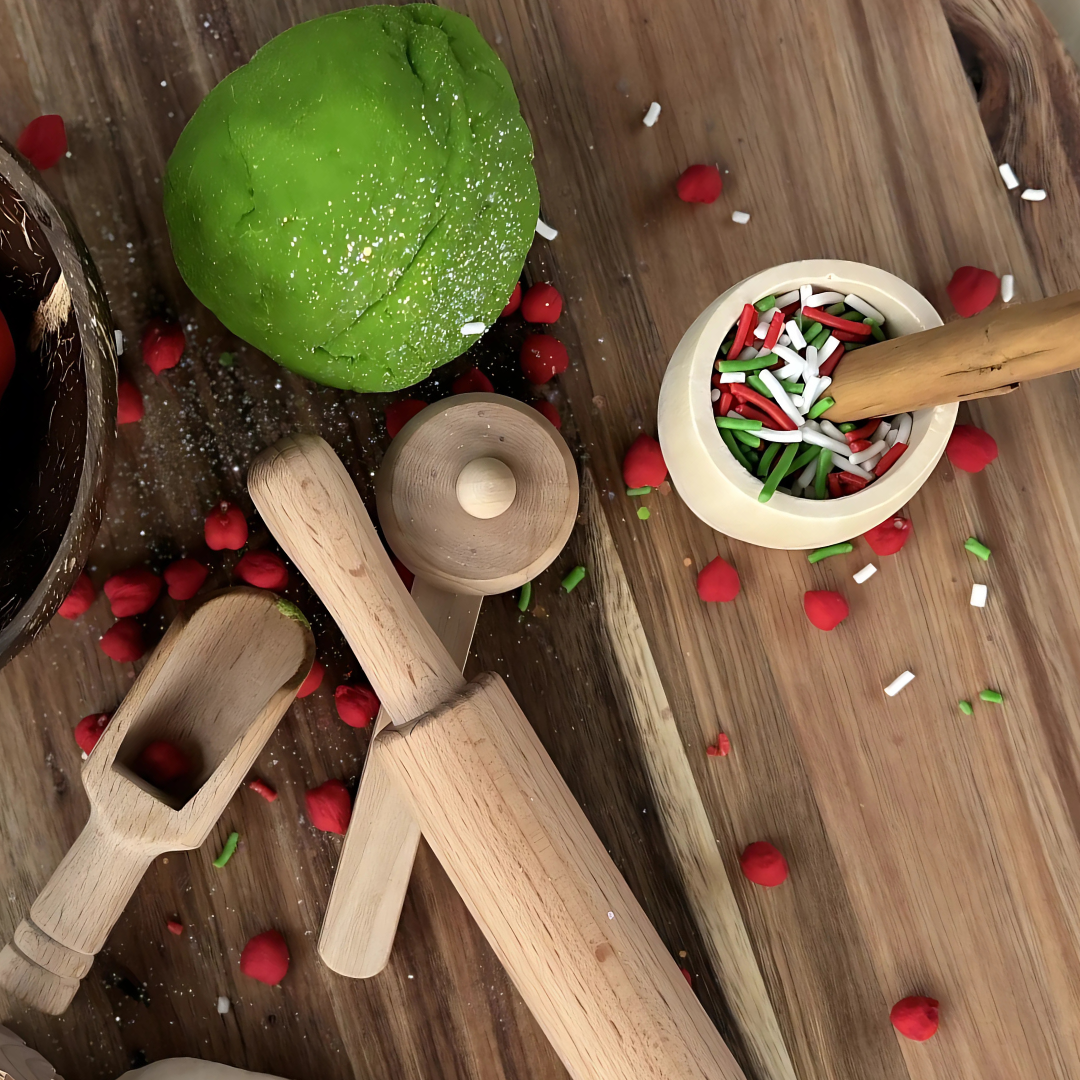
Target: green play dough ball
{"points": [[357, 193]]}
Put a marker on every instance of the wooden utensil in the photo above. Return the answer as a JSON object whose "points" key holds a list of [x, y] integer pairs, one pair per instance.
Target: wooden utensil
{"points": [[501, 820], [445, 474], [216, 687]]}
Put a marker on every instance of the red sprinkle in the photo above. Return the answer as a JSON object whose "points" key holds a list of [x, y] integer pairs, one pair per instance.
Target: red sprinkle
{"points": [[889, 460], [687, 976], [163, 344], [185, 577], [513, 303], [549, 413], [721, 748], [129, 402], [542, 358], [266, 958], [970, 448], [747, 321], [162, 762], [474, 381], [406, 575], [263, 570], [830, 365], [43, 141], [400, 413], [764, 864], [7, 355], [329, 807], [751, 413], [915, 1017], [834, 486], [175, 927], [123, 641], [859, 444], [542, 303], [770, 408], [776, 328], [725, 403], [644, 464], [79, 599], [700, 184], [313, 680], [890, 536], [861, 433], [356, 705], [836, 322], [225, 527], [825, 609], [718, 582], [132, 592], [260, 787], [89, 729], [971, 290], [852, 483]]}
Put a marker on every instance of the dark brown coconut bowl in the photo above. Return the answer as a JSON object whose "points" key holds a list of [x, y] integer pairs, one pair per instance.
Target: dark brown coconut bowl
{"points": [[58, 415]]}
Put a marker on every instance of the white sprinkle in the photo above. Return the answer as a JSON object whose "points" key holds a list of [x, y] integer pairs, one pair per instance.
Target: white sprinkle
{"points": [[715, 394], [1033, 194], [899, 683], [805, 292], [795, 334], [810, 392], [223, 1005], [813, 362], [740, 217], [790, 355], [771, 435], [826, 350], [780, 395], [119, 338], [1008, 175], [817, 438], [763, 352], [822, 383], [804, 478], [545, 230], [813, 425], [865, 574], [783, 339], [733, 376], [904, 428], [832, 430], [842, 462], [823, 299], [787, 298], [761, 329], [864, 455], [748, 353], [890, 439], [611, 914], [652, 115], [85, 755], [978, 596], [870, 462], [472, 328], [880, 431], [1008, 287], [863, 308]]}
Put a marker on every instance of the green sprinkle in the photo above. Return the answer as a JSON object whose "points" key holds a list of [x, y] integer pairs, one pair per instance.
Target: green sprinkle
{"points": [[819, 339], [966, 708], [822, 405], [738, 423], [848, 425], [977, 547], [991, 695], [826, 552], [747, 439], [226, 359], [756, 382], [875, 330], [727, 345], [792, 387], [800, 319], [767, 458], [853, 316], [752, 456], [836, 309], [808, 454], [753, 364], [851, 346], [228, 851], [813, 330], [821, 476], [525, 596], [291, 611], [765, 303], [639, 491], [643, 513], [778, 473], [574, 578], [735, 448]]}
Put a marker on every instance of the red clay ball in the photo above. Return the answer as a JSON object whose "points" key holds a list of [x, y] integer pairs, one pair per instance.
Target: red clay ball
{"points": [[718, 582], [971, 290], [89, 729], [313, 680], [764, 864], [970, 448], [513, 303], [129, 402], [399, 413], [162, 762], [123, 641], [644, 465], [225, 528], [132, 592], [356, 705], [266, 958], [185, 577], [406, 575], [824, 608], [549, 413], [890, 536], [542, 358], [915, 1017], [700, 184], [474, 381], [43, 141], [79, 599], [329, 807], [541, 304], [7, 355], [163, 344], [263, 570]]}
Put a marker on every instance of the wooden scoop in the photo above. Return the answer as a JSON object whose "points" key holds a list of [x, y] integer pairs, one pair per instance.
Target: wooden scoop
{"points": [[216, 687], [477, 494], [988, 354]]}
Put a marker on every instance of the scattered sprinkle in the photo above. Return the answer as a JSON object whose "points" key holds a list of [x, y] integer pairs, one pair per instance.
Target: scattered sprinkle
{"points": [[978, 596], [652, 114], [643, 490], [574, 578], [721, 748], [1033, 194], [471, 328], [223, 1005], [525, 596], [827, 552], [260, 787], [740, 217], [174, 927], [865, 574], [118, 338], [228, 851], [977, 547], [915, 1017], [764, 864], [966, 707], [545, 230], [1008, 288], [687, 976], [992, 696], [1008, 176], [899, 683]]}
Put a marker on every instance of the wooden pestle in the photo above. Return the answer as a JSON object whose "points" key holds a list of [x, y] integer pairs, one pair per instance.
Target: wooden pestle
{"points": [[985, 355], [501, 820]]}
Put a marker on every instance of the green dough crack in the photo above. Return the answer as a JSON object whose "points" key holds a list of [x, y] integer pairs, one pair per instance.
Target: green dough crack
{"points": [[356, 193]]}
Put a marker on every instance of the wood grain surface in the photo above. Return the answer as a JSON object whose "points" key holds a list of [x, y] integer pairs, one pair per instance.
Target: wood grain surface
{"points": [[930, 852]]}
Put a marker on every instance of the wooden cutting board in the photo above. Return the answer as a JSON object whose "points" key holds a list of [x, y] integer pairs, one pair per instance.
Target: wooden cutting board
{"points": [[930, 852]]}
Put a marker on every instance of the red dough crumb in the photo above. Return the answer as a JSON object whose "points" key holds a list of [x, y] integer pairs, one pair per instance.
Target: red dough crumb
{"points": [[7, 355], [129, 403], [185, 577], [123, 641], [43, 141], [404, 572], [549, 413], [644, 465], [225, 528], [79, 599], [721, 748], [132, 592], [313, 681], [824, 608], [719, 581], [262, 788], [687, 976], [264, 570], [400, 413], [971, 290], [356, 705], [970, 448], [542, 358], [163, 344], [764, 864], [513, 303], [890, 536], [474, 381], [541, 304], [700, 183], [266, 958], [915, 1017], [329, 807], [162, 762], [175, 927], [89, 729]]}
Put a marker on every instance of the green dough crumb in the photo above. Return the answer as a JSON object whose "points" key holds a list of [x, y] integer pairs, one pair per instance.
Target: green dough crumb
{"points": [[356, 193], [574, 578], [228, 850], [226, 359], [291, 611], [991, 695], [525, 596], [643, 513], [965, 708]]}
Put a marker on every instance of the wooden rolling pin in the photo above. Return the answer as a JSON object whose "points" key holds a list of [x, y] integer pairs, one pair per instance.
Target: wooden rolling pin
{"points": [[490, 802], [988, 354]]}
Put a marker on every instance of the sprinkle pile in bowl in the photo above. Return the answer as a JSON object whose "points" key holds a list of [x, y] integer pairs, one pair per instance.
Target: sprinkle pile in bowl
{"points": [[769, 392]]}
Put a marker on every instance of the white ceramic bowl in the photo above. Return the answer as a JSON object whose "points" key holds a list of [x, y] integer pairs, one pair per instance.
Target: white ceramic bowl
{"points": [[718, 489]]}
